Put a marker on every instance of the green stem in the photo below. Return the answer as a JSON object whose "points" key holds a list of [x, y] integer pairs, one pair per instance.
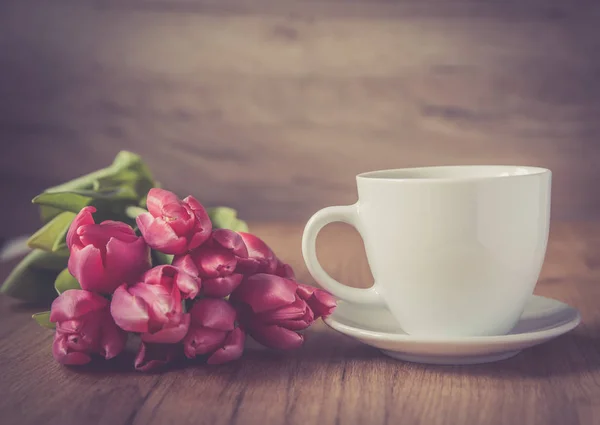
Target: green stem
{"points": [[85, 181]]}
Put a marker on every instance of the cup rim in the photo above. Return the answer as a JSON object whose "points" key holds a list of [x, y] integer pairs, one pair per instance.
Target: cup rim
{"points": [[522, 171]]}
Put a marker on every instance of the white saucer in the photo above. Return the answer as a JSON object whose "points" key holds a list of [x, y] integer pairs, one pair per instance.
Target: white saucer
{"points": [[542, 320]]}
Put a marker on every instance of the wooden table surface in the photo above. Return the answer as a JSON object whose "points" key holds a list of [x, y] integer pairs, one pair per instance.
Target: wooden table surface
{"points": [[332, 379]]}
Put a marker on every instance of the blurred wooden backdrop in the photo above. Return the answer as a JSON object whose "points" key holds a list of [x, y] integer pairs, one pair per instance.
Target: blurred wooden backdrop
{"points": [[273, 106]]}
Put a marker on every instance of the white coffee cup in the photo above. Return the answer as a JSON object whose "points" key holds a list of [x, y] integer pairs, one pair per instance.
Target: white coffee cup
{"points": [[454, 250]]}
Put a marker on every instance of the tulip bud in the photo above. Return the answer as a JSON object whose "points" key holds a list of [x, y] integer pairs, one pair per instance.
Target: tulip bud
{"points": [[105, 255], [261, 259], [215, 263], [168, 275], [284, 270], [84, 327], [152, 307], [271, 310], [321, 302], [171, 225], [212, 332]]}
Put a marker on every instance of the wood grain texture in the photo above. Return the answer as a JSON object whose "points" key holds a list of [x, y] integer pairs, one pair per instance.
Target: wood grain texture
{"points": [[332, 379], [273, 106]]}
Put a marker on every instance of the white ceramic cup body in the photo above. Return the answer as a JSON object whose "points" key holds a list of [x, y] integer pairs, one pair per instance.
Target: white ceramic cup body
{"points": [[454, 251]]}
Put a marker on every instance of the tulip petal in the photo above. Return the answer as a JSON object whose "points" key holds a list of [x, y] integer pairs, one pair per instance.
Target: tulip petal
{"points": [[230, 240], [74, 303], [264, 292], [296, 310], [198, 239], [159, 235], [187, 279], [213, 313], [214, 261], [163, 302], [167, 206], [125, 261], [203, 225], [305, 291], [186, 264], [295, 324], [276, 337], [259, 254], [248, 266], [188, 285], [66, 326], [232, 349], [197, 207], [157, 198], [155, 356], [86, 265], [119, 230], [92, 234], [179, 217], [221, 286], [289, 318], [129, 312], [200, 341], [285, 270], [64, 356], [99, 234], [83, 217], [113, 339], [169, 335], [86, 336], [156, 274], [321, 302]]}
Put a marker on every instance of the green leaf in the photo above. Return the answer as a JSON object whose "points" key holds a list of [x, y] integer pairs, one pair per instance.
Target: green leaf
{"points": [[122, 178], [159, 258], [50, 261], [138, 183], [68, 201], [130, 161], [52, 233], [226, 218], [60, 244], [65, 281], [43, 320], [123, 161], [75, 200], [33, 278], [48, 213], [126, 159]]}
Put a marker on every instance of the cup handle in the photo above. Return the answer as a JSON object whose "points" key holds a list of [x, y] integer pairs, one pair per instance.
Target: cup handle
{"points": [[345, 214]]}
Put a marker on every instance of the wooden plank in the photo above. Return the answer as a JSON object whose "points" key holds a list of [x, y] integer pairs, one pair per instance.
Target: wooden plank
{"points": [[332, 379], [273, 107]]}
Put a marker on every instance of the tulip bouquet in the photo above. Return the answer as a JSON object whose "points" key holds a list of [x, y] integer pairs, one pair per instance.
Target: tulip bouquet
{"points": [[190, 282]]}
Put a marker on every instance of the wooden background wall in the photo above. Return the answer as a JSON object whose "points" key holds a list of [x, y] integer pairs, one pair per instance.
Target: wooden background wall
{"points": [[273, 106]]}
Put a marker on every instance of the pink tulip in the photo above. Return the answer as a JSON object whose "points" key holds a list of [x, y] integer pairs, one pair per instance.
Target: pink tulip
{"points": [[155, 356], [261, 259], [215, 263], [321, 302], [213, 332], [84, 327], [171, 225], [168, 275], [105, 255], [284, 270], [271, 310], [152, 307], [229, 240]]}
